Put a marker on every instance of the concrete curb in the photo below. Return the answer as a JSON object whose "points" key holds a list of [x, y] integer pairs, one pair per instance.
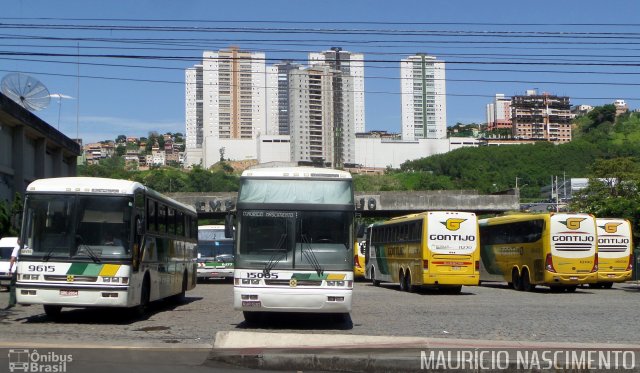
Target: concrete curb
{"points": [[356, 353]]}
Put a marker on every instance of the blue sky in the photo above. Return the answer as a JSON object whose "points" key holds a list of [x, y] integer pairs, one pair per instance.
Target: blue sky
{"points": [[489, 46]]}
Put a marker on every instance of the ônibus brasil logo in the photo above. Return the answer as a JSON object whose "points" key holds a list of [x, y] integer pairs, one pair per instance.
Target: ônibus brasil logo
{"points": [[573, 223], [26, 360], [453, 224], [610, 227]]}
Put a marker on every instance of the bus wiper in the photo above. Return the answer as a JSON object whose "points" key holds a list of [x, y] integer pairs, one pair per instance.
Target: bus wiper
{"points": [[90, 252], [48, 255], [310, 255], [277, 256], [86, 248]]}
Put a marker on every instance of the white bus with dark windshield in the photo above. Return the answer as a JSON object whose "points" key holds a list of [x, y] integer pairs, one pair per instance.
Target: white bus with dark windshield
{"points": [[294, 230], [94, 242]]}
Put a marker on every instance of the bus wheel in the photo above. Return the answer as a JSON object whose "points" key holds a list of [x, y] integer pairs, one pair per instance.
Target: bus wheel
{"points": [[526, 284], [373, 278], [52, 312], [403, 283], [571, 288], [408, 287], [515, 279], [145, 296], [556, 288], [183, 293], [607, 285]]}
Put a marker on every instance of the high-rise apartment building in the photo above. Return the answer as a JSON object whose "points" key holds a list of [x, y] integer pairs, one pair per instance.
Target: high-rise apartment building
{"points": [[423, 97], [193, 114], [541, 117], [233, 99], [351, 65], [278, 97], [315, 138], [499, 113]]}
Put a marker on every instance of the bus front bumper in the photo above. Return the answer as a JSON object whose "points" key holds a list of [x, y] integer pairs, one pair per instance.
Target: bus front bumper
{"points": [[72, 296], [215, 273], [292, 300]]}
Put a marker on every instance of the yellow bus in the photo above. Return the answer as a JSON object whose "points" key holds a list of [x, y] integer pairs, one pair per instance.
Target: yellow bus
{"points": [[615, 257], [358, 258], [436, 248], [558, 250]]}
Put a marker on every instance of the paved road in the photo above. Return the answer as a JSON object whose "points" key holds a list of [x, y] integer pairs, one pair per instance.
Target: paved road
{"points": [[486, 312]]}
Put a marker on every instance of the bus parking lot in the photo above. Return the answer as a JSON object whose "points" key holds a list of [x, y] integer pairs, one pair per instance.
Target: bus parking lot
{"points": [[492, 312]]}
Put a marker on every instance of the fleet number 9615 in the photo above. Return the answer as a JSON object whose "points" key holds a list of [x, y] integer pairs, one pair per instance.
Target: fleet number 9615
{"points": [[41, 268]]}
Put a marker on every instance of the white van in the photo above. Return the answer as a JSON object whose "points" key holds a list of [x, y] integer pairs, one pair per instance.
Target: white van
{"points": [[6, 247]]}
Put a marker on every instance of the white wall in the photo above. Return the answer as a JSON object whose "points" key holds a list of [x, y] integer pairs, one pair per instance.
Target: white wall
{"points": [[374, 152]]}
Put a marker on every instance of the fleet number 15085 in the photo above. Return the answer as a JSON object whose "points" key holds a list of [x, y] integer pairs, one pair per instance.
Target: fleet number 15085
{"points": [[261, 275]]}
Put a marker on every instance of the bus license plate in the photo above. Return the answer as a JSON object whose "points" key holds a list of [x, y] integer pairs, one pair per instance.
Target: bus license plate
{"points": [[573, 278], [611, 276], [69, 293], [251, 303], [456, 268]]}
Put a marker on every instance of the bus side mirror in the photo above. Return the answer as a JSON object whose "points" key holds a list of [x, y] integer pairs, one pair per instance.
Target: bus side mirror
{"points": [[228, 226], [360, 231]]}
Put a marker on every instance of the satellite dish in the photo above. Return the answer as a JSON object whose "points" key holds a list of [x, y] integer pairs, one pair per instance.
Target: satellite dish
{"points": [[27, 91]]}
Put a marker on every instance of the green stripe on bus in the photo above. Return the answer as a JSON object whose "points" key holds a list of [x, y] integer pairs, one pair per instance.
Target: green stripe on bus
{"points": [[77, 269], [93, 270]]}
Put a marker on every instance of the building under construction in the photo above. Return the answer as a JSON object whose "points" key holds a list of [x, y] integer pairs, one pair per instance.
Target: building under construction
{"points": [[541, 117]]}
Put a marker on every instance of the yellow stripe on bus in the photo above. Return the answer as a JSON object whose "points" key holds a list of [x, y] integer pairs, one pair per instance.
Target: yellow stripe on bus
{"points": [[109, 270], [335, 276]]}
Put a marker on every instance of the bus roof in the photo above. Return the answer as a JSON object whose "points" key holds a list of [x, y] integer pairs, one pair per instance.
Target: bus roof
{"points": [[98, 185], [426, 213], [214, 226], [296, 172], [84, 185], [525, 216]]}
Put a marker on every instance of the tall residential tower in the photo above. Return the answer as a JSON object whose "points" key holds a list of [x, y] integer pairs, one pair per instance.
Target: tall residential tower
{"points": [[233, 102], [423, 97]]}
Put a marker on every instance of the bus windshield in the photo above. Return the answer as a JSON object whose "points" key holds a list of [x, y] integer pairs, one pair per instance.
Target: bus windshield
{"points": [[337, 192], [213, 245], [79, 226], [311, 240]]}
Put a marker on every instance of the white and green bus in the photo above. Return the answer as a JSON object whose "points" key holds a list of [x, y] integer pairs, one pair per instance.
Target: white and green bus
{"points": [[94, 242], [294, 230], [215, 253]]}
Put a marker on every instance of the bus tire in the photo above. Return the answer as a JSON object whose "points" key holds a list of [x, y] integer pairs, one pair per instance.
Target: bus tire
{"points": [[145, 296], [515, 279], [52, 312], [607, 285], [571, 288], [375, 282], [525, 281], [556, 288], [403, 284], [408, 287], [181, 296]]}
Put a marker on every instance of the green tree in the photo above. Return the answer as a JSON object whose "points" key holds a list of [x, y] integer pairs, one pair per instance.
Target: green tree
{"points": [[612, 191]]}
